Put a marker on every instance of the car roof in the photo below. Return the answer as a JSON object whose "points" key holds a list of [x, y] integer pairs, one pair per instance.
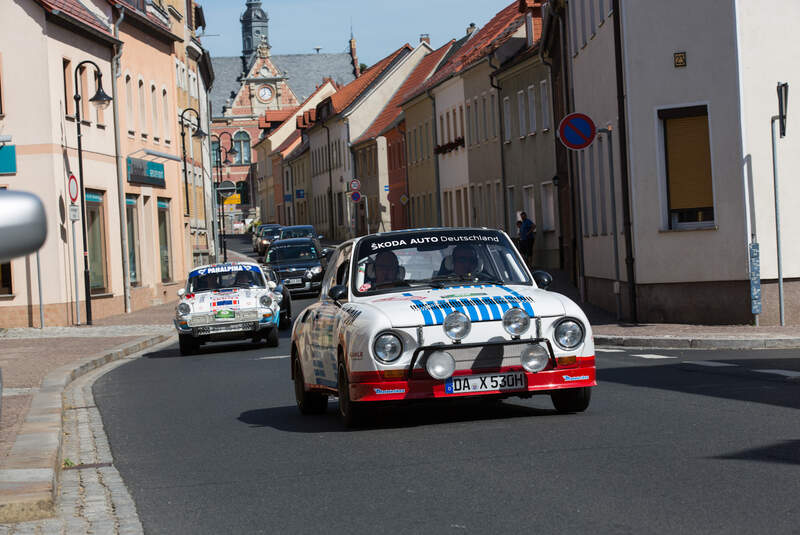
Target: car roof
{"points": [[298, 227], [293, 241], [225, 264]]}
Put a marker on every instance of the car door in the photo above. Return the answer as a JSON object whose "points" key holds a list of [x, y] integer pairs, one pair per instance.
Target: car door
{"points": [[328, 315]]}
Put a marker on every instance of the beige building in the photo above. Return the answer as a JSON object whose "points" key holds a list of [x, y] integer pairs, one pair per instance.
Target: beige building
{"points": [[424, 208], [38, 152]]}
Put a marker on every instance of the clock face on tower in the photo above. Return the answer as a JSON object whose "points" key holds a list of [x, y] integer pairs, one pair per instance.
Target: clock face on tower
{"points": [[265, 93]]}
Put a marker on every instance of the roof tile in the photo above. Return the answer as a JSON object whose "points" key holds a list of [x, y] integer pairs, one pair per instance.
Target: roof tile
{"points": [[77, 11]]}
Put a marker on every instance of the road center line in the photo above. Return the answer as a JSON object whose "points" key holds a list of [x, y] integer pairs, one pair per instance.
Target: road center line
{"points": [[605, 350], [274, 358], [649, 356]]}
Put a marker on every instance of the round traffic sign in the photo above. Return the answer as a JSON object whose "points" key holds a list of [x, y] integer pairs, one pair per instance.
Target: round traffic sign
{"points": [[576, 131], [355, 196], [73, 188], [226, 188], [355, 184]]}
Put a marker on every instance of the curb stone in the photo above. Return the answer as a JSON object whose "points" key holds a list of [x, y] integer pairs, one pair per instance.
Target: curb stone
{"points": [[30, 474], [678, 342]]}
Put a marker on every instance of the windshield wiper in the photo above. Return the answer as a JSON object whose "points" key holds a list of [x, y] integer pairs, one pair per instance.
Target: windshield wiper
{"points": [[443, 280], [403, 282]]}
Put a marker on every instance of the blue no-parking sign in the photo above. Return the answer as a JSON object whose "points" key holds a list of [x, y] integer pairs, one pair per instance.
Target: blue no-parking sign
{"points": [[355, 196], [576, 131]]}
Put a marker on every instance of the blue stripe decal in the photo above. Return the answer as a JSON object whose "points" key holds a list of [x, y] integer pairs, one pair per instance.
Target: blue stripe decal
{"points": [[447, 308], [525, 304], [492, 308], [473, 315], [426, 315], [504, 305], [484, 312], [437, 314]]}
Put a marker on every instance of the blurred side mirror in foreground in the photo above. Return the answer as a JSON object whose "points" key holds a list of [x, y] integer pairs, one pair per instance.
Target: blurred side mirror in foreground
{"points": [[23, 224]]}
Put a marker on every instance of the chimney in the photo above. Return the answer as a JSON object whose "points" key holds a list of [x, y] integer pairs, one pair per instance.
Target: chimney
{"points": [[354, 56], [425, 38], [471, 28]]}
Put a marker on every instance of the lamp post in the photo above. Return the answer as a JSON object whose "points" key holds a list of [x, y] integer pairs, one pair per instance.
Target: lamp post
{"points": [[198, 134], [101, 101], [228, 152]]}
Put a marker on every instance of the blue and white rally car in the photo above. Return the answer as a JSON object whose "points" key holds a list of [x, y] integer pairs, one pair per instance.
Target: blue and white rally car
{"points": [[438, 313], [231, 301]]}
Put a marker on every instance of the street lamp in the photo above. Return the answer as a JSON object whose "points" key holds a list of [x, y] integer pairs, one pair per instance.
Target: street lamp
{"points": [[198, 134], [101, 101], [221, 215]]}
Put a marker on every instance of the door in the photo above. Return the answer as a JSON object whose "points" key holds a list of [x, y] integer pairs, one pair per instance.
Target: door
{"points": [[329, 318]]}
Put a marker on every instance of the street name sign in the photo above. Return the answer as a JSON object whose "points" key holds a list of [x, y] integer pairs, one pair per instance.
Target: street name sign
{"points": [[576, 131]]}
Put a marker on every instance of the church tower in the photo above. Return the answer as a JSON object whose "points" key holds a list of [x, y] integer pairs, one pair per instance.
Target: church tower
{"points": [[255, 29]]}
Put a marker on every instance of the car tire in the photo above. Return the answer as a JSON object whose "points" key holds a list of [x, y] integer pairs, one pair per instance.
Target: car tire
{"points": [[572, 399], [286, 321], [352, 415], [307, 402], [187, 344], [272, 337]]}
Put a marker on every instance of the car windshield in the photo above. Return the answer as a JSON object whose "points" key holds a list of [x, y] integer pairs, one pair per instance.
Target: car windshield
{"points": [[217, 278], [297, 233], [286, 253], [270, 233], [436, 259]]}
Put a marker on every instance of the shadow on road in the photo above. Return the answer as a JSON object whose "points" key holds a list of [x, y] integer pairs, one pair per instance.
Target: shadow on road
{"points": [[739, 383], [787, 451], [429, 413]]}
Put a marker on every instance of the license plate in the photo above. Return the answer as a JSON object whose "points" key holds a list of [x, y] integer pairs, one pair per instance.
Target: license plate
{"points": [[225, 314], [294, 281], [230, 328], [486, 383]]}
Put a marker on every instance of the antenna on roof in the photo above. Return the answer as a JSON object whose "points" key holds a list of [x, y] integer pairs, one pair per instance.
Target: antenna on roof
{"points": [[317, 48]]}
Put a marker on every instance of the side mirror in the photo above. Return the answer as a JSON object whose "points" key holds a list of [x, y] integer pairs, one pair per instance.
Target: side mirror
{"points": [[181, 292], [542, 279], [23, 224], [321, 237], [326, 253], [271, 285], [338, 292]]}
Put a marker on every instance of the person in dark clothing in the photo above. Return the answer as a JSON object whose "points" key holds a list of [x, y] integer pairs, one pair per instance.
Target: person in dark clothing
{"points": [[526, 238]]}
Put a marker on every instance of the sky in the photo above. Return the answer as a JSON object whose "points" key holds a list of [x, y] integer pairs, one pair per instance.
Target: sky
{"points": [[379, 26]]}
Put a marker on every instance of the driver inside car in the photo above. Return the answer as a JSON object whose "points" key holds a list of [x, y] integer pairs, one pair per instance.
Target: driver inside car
{"points": [[461, 262], [243, 279], [387, 268]]}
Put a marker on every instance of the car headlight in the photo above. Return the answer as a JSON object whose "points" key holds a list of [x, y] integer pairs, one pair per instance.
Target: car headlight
{"points": [[516, 321], [568, 334], [265, 300], [456, 325], [534, 358], [265, 242], [316, 270], [440, 365], [278, 298], [184, 309], [387, 347]]}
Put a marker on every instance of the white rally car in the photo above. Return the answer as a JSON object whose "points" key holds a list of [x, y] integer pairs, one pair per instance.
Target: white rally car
{"points": [[438, 313], [230, 301]]}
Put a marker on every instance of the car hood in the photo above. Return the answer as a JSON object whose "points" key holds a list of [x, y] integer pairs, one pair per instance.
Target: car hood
{"points": [[228, 299], [479, 302]]}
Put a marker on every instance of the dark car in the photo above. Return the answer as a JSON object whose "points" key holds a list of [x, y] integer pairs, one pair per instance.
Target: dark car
{"points": [[256, 238], [285, 300], [267, 236], [298, 263], [301, 231]]}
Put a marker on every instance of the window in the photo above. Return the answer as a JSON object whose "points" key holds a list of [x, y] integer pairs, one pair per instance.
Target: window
{"points": [[165, 115], [583, 190], [5, 274], [583, 20], [484, 123], [241, 141], [548, 206], [129, 103], [690, 196], [573, 30], [476, 137], [468, 138], [214, 153], [493, 107], [512, 215], [592, 189], [441, 129], [592, 22], [532, 109], [461, 121], [521, 113], [164, 240], [142, 114], [601, 185], [69, 92], [545, 105], [132, 222], [506, 119], [84, 93], [154, 106], [96, 238], [449, 137], [428, 139]]}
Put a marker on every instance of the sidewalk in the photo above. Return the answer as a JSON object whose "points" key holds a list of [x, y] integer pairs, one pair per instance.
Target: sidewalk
{"points": [[609, 332], [38, 363]]}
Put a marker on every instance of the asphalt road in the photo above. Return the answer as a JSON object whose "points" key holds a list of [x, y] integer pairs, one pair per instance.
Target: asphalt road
{"points": [[213, 443]]}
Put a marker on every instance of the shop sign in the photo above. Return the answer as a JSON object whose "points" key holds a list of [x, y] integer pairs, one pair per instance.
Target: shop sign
{"points": [[146, 172]]}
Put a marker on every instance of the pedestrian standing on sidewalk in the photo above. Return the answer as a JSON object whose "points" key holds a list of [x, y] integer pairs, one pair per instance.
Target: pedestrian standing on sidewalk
{"points": [[526, 238]]}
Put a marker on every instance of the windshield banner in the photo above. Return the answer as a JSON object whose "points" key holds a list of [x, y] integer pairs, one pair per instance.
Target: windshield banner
{"points": [[222, 268], [436, 239]]}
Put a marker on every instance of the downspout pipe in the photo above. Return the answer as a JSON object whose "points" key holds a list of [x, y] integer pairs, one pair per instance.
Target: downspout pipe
{"points": [[493, 83], [330, 181], [623, 156], [436, 165], [123, 221]]}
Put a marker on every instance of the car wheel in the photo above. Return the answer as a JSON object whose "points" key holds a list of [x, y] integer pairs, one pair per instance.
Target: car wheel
{"points": [[286, 320], [187, 344], [352, 414], [572, 400], [307, 402], [272, 337]]}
